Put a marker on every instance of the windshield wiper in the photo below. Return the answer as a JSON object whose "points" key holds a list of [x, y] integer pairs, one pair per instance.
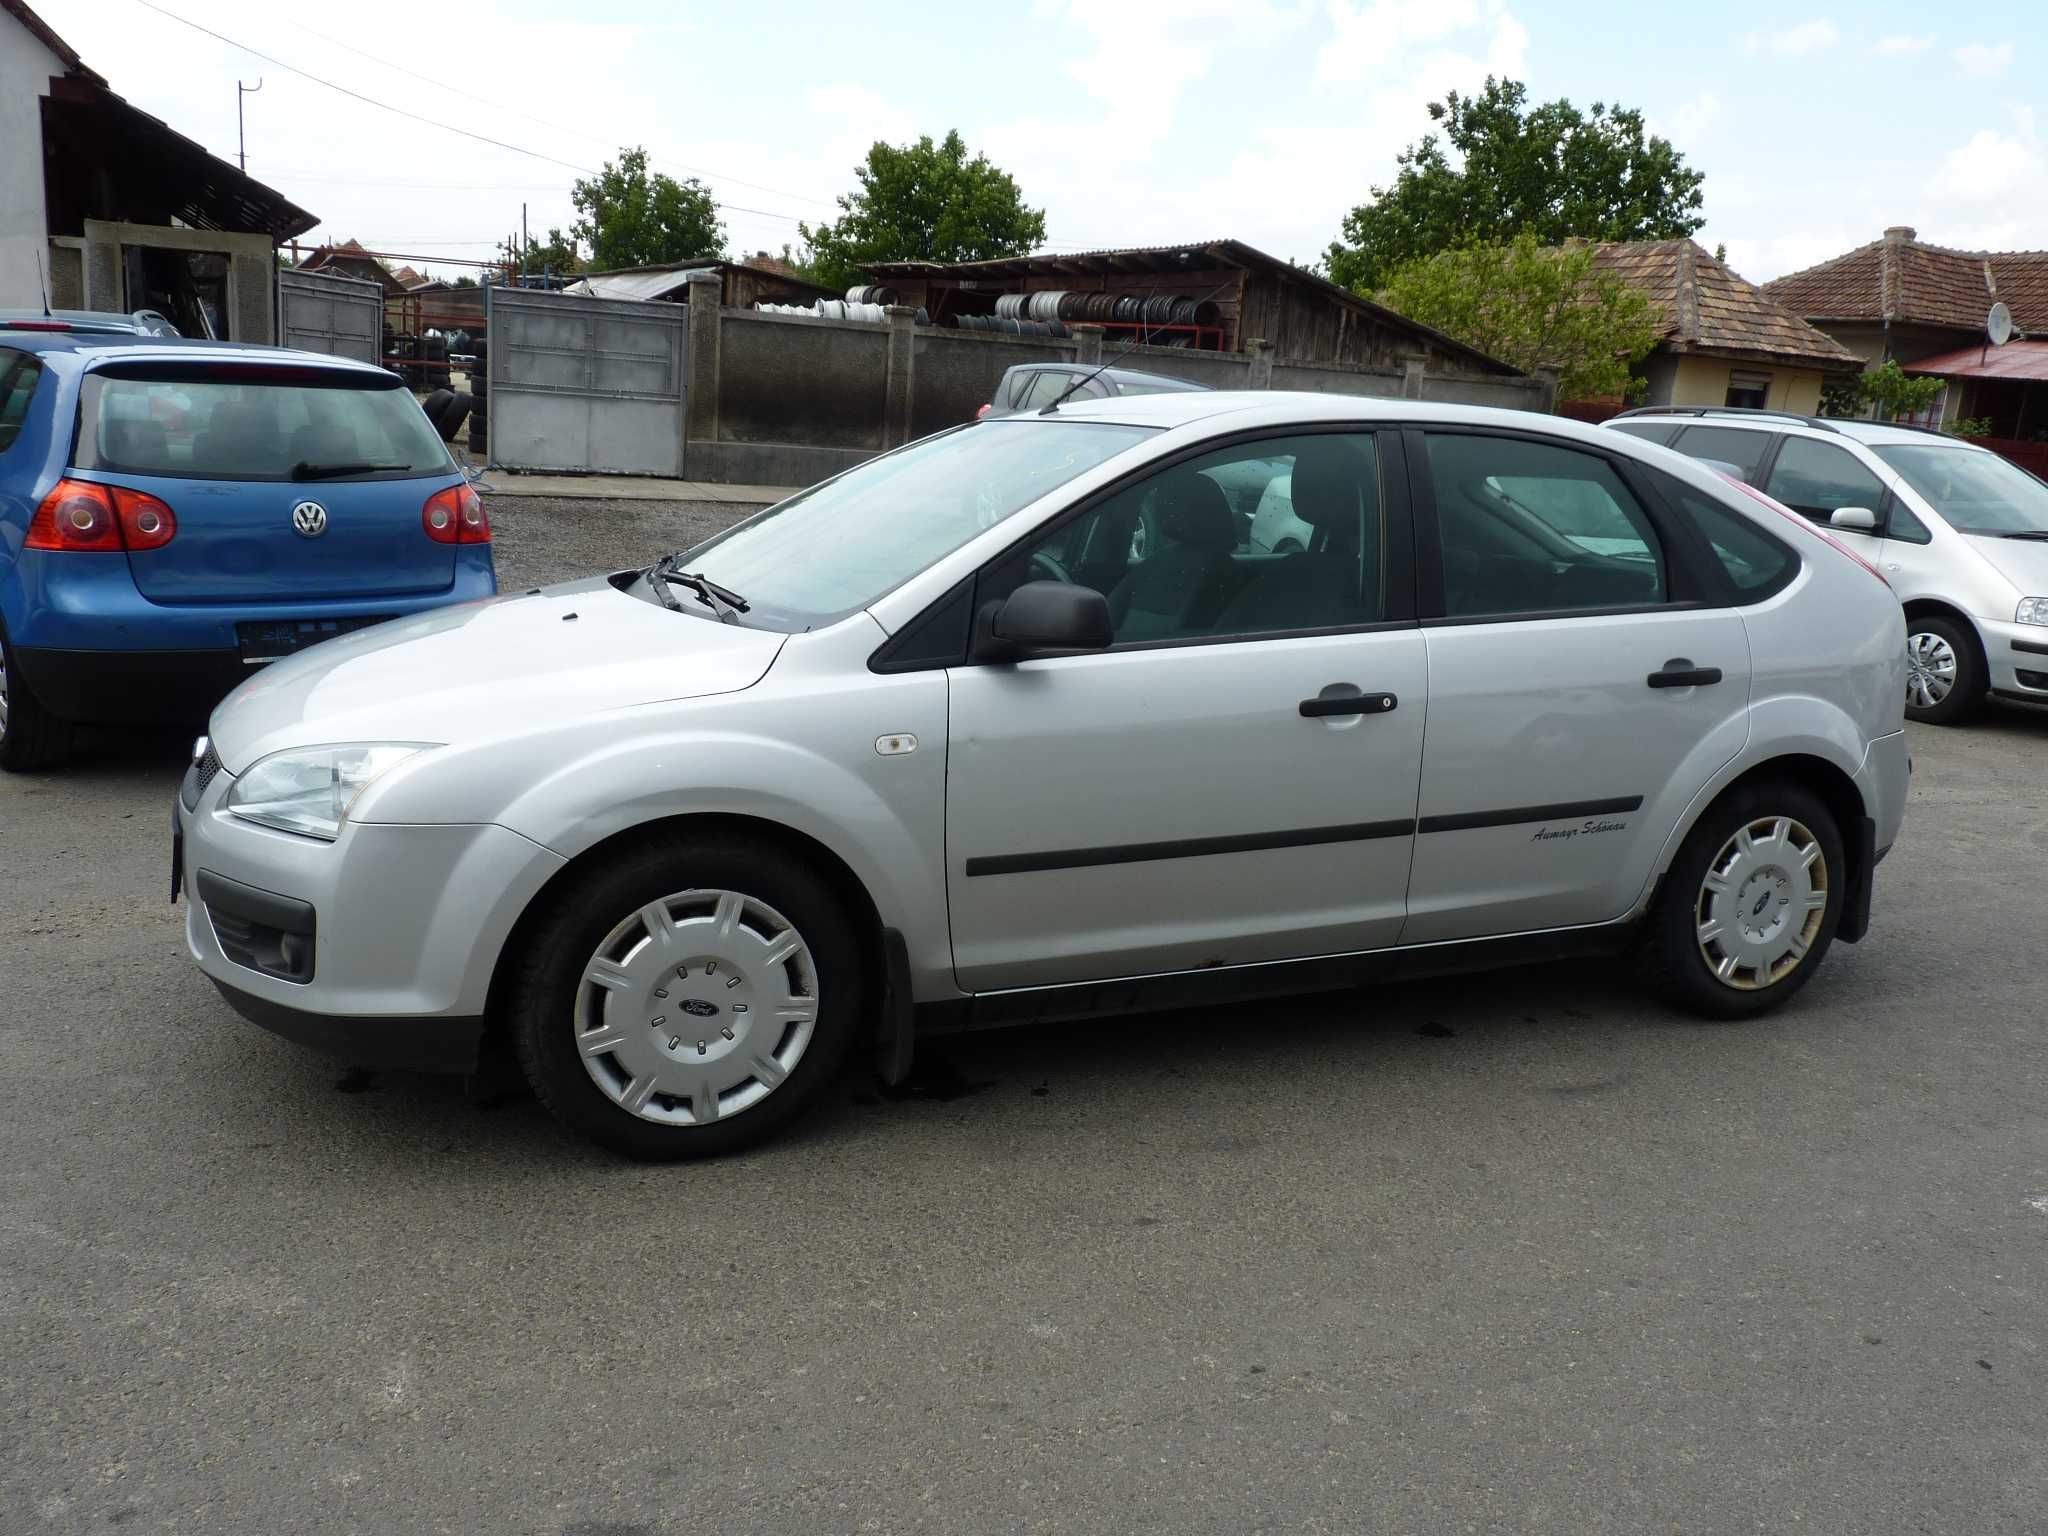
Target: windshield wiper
{"points": [[304, 471], [2029, 534], [727, 604]]}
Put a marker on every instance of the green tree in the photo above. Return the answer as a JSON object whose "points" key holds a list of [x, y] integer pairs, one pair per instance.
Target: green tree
{"points": [[1893, 392], [922, 202], [557, 253], [1533, 306], [1550, 171], [633, 219]]}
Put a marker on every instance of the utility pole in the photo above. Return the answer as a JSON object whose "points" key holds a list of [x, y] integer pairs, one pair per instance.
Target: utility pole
{"points": [[241, 145], [525, 240]]}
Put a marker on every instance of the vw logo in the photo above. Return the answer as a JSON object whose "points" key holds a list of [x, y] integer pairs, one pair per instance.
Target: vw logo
{"points": [[309, 518], [697, 1008]]}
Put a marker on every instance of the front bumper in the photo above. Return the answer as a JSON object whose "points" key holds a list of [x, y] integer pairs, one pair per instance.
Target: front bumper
{"points": [[378, 947], [2017, 655]]}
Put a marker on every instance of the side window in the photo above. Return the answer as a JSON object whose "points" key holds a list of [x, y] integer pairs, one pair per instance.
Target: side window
{"points": [[1755, 562], [1736, 446], [1531, 528], [1905, 527], [18, 375], [1655, 431], [1179, 560], [1814, 479]]}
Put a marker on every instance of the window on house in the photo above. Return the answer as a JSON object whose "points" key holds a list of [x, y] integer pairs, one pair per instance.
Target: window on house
{"points": [[1750, 390]]}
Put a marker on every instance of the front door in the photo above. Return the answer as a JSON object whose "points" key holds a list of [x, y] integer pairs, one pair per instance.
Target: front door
{"points": [[1234, 779], [1580, 690]]}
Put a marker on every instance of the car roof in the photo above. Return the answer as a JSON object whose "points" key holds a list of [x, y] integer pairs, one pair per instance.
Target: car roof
{"points": [[1255, 408], [94, 347], [1870, 433]]}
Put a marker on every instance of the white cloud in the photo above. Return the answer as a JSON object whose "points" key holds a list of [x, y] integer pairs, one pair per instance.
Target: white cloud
{"points": [[1691, 120], [1807, 37], [1993, 167], [1986, 61], [1905, 43]]}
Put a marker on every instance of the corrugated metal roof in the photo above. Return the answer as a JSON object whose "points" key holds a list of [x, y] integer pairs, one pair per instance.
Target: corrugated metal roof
{"points": [[2014, 360], [655, 283]]}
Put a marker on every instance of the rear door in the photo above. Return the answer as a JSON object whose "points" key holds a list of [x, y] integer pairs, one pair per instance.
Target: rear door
{"points": [[237, 450], [1583, 684]]}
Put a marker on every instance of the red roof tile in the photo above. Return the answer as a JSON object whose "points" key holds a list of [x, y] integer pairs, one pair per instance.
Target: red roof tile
{"points": [[1904, 278], [1708, 308]]}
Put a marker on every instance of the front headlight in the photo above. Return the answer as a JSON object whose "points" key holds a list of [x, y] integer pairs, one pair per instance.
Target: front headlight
{"points": [[309, 790], [2033, 610]]}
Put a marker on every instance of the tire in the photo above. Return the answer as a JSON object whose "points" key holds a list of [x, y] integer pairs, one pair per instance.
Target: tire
{"points": [[1945, 682], [30, 736], [726, 969], [1774, 880]]}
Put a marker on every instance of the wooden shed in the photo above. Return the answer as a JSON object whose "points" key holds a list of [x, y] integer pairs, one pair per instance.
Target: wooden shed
{"points": [[1307, 318]]}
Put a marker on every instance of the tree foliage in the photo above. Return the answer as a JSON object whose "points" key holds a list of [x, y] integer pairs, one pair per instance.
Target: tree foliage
{"points": [[1550, 171], [1893, 392], [1533, 306], [556, 254], [922, 202], [633, 219]]}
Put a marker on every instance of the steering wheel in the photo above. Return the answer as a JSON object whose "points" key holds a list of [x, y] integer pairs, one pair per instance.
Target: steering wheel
{"points": [[1045, 568]]}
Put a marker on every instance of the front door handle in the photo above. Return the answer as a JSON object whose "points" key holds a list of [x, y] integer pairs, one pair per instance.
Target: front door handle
{"points": [[1679, 672], [1352, 703]]}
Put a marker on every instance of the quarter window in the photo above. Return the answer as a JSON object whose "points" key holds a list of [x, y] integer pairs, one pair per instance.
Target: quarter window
{"points": [[1531, 528], [1755, 562], [1179, 558], [1815, 479], [1905, 526]]}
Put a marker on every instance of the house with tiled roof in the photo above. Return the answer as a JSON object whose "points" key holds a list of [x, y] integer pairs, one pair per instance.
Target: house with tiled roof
{"points": [[1723, 342], [349, 259], [1926, 307]]}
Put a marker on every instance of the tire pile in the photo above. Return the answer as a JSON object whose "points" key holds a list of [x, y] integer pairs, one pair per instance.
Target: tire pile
{"points": [[1051, 311]]}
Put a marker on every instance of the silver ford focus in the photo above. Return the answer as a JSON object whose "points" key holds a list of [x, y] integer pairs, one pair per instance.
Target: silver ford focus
{"points": [[940, 743]]}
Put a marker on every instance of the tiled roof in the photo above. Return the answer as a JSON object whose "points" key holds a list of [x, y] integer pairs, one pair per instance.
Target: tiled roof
{"points": [[1707, 308], [1903, 278]]}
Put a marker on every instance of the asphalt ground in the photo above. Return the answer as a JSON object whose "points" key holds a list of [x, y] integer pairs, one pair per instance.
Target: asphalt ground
{"points": [[1521, 1252]]}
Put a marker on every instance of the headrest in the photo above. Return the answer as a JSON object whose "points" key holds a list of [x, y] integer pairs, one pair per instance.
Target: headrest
{"points": [[1328, 476], [1193, 510]]}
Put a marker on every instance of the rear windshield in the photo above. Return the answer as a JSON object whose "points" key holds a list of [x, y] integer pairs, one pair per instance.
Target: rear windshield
{"points": [[254, 423]]}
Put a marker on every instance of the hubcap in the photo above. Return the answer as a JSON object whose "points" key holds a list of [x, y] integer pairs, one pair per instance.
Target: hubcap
{"points": [[1930, 669], [696, 1007], [1761, 903]]}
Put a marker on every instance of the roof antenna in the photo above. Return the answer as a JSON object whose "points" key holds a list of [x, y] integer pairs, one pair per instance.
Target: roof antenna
{"points": [[1144, 333], [43, 282]]}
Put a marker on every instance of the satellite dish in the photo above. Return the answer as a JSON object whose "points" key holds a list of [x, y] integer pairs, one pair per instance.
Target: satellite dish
{"points": [[1998, 325]]}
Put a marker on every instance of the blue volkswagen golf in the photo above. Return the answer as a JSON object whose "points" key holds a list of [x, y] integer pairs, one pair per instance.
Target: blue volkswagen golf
{"points": [[174, 514]]}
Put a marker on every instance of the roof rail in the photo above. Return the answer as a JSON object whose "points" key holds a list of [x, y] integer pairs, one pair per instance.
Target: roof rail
{"points": [[1728, 410]]}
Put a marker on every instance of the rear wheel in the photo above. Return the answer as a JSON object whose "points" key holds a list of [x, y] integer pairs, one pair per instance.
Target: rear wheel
{"points": [[30, 736], [688, 998], [1750, 904], [1944, 675]]}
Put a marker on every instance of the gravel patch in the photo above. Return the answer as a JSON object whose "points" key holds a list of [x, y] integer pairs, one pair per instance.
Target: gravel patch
{"points": [[542, 539]]}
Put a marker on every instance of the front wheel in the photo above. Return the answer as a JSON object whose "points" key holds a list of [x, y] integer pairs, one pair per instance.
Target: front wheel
{"points": [[1750, 904], [1944, 677], [687, 998]]}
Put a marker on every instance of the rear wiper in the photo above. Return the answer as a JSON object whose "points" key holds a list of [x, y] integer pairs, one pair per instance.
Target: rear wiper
{"points": [[727, 604], [304, 471]]}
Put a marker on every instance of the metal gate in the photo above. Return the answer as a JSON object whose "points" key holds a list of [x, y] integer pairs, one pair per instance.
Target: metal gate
{"points": [[319, 312], [589, 386]]}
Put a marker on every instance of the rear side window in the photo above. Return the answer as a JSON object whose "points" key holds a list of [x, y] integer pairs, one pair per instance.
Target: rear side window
{"points": [[1655, 431], [239, 424], [1736, 446], [1756, 563], [1531, 528], [18, 375], [1817, 479]]}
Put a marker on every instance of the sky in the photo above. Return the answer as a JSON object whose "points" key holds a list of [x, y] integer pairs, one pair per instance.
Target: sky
{"points": [[1130, 122]]}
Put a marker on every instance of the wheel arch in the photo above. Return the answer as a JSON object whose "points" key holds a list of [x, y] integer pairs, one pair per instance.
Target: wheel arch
{"points": [[1937, 608]]}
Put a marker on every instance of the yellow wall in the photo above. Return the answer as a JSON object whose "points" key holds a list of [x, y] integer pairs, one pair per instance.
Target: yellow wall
{"points": [[1704, 381]]}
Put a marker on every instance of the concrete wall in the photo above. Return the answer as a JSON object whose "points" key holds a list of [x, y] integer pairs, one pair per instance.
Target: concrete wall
{"points": [[252, 271], [1212, 370], [954, 373], [783, 379], [25, 70]]}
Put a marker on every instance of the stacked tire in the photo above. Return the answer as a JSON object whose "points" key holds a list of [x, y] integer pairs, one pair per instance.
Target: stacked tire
{"points": [[480, 401]]}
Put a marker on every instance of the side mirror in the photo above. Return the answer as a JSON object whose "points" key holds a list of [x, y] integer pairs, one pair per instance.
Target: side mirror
{"points": [[1043, 616], [1855, 519]]}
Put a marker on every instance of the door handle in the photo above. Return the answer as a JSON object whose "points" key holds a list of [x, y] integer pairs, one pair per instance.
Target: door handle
{"points": [[1679, 672], [1326, 704]]}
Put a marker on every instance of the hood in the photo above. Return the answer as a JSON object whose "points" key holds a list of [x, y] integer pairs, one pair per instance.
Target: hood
{"points": [[478, 670], [2023, 562]]}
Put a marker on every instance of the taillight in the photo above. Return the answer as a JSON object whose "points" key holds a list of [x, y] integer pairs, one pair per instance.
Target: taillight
{"points": [[1811, 527], [86, 518], [456, 516], [39, 325]]}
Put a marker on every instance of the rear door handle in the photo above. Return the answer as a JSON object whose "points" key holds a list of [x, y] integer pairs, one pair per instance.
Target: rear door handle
{"points": [[1679, 672], [1325, 704]]}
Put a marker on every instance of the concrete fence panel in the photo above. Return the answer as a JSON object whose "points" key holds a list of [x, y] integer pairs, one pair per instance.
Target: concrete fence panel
{"points": [[954, 373], [788, 379]]}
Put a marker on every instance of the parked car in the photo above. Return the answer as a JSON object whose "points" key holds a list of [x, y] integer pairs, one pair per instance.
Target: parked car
{"points": [[1960, 533], [141, 322], [1033, 386], [923, 748], [174, 514]]}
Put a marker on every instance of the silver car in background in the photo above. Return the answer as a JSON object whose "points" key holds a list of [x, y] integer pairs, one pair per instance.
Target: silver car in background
{"points": [[1034, 386], [932, 745], [1960, 533]]}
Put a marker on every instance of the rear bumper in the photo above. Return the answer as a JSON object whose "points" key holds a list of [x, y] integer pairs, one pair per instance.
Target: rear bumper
{"points": [[129, 687]]}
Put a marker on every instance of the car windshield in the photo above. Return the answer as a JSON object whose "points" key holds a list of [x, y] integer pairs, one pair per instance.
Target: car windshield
{"points": [[255, 422], [839, 547], [1974, 490]]}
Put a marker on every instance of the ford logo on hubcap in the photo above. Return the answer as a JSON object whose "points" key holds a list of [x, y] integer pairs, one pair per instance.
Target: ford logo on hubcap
{"points": [[310, 519], [697, 1008]]}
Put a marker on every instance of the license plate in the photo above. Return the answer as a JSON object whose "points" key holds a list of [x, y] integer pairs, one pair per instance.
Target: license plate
{"points": [[274, 639], [177, 854]]}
